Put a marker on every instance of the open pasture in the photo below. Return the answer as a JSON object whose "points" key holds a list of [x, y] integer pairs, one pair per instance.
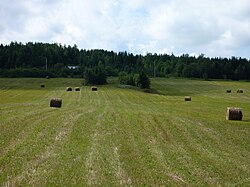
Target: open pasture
{"points": [[123, 137]]}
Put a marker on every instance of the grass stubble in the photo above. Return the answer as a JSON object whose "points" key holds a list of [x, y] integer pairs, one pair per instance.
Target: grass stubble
{"points": [[123, 137]]}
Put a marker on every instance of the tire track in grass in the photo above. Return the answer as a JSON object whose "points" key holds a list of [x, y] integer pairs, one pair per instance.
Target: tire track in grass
{"points": [[134, 157], [92, 152], [32, 172], [67, 166], [25, 132], [201, 154], [147, 130], [19, 129], [23, 112], [25, 149], [127, 97], [15, 106], [102, 159], [120, 172], [94, 173], [112, 151], [130, 161], [155, 142], [159, 140], [192, 156], [33, 168], [224, 148]]}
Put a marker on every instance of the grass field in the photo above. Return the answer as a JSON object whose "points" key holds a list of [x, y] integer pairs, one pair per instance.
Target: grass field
{"points": [[123, 137]]}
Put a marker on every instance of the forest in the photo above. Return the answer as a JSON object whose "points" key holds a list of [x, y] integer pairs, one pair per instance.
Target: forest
{"points": [[44, 59]]}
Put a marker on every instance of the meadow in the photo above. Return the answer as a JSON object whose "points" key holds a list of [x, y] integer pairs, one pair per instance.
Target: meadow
{"points": [[123, 137]]}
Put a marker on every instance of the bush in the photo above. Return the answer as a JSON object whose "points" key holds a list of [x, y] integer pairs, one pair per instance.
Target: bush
{"points": [[126, 79], [140, 80]]}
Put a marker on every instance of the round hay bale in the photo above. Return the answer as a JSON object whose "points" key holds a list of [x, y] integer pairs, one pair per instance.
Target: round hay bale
{"points": [[77, 89], [68, 89], [239, 91], [47, 77], [42, 85], [234, 113], [56, 102], [187, 98], [93, 88], [229, 91]]}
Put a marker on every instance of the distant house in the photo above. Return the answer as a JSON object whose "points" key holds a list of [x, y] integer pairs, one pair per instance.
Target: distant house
{"points": [[73, 67]]}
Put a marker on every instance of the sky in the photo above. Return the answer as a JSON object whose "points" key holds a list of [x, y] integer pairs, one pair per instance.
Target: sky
{"points": [[216, 28]]}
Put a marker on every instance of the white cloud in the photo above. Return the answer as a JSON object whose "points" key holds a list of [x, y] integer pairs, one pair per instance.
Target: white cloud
{"points": [[212, 27]]}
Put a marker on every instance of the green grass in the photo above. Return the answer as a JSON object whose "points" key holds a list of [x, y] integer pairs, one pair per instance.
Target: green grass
{"points": [[123, 137]]}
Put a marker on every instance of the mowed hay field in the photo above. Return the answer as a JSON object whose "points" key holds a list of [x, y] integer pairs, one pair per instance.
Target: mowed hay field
{"points": [[123, 137]]}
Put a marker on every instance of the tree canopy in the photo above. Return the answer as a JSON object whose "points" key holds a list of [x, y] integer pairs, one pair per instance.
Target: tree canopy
{"points": [[29, 60], [95, 76]]}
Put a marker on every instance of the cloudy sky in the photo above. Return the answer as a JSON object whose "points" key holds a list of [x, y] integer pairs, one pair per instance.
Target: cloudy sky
{"points": [[212, 27]]}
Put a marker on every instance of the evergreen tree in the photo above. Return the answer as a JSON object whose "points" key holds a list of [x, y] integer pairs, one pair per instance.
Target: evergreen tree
{"points": [[95, 76], [142, 81], [19, 60]]}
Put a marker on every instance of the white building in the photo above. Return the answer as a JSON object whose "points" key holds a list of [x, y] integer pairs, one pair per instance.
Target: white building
{"points": [[73, 67]]}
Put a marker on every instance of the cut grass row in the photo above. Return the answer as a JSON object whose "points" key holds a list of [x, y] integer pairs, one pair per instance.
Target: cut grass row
{"points": [[123, 137]]}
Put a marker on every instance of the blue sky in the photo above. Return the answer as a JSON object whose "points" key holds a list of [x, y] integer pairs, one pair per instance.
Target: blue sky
{"points": [[213, 27]]}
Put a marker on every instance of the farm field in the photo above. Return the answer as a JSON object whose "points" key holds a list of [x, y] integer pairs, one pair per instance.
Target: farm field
{"points": [[123, 137]]}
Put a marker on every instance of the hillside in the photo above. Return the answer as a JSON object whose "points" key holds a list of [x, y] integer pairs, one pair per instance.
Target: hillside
{"points": [[55, 60], [118, 136]]}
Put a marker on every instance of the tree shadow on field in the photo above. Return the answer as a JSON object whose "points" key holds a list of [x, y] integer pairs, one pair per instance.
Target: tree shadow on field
{"points": [[174, 92], [170, 93], [151, 91]]}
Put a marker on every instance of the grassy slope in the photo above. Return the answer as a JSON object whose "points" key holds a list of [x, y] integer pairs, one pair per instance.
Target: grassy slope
{"points": [[123, 137]]}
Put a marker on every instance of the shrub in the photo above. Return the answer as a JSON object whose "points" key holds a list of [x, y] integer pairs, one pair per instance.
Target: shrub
{"points": [[140, 80], [126, 79]]}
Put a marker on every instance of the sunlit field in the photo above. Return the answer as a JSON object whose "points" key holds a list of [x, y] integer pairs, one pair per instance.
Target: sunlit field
{"points": [[123, 137]]}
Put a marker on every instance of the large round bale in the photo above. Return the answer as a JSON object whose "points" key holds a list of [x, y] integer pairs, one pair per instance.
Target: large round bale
{"points": [[187, 98], [93, 88], [77, 89], [234, 113], [239, 91], [42, 85], [229, 91], [56, 102], [47, 77], [68, 89]]}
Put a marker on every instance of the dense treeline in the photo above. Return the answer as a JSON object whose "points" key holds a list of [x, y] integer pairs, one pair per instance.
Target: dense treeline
{"points": [[29, 60]]}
